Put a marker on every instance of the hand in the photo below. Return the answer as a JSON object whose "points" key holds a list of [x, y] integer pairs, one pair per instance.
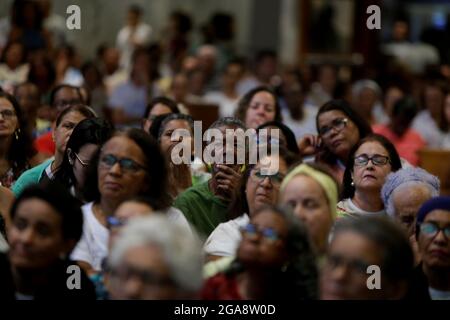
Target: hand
{"points": [[309, 145], [228, 182]]}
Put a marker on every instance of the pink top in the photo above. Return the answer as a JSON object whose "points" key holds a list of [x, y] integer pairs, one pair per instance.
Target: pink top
{"points": [[407, 145]]}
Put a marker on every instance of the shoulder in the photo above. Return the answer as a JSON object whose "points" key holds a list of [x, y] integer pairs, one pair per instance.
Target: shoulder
{"points": [[30, 176]]}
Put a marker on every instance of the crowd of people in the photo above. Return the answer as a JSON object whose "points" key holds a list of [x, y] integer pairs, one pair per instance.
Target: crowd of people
{"points": [[88, 181]]}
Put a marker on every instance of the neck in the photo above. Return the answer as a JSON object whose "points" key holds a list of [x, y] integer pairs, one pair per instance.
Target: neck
{"points": [[58, 161], [26, 282], [370, 201], [438, 279], [108, 206], [230, 91], [254, 284]]}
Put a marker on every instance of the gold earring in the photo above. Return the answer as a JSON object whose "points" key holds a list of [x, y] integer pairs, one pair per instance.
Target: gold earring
{"points": [[16, 134]]}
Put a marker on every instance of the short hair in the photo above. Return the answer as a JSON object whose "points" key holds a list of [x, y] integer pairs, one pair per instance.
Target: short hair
{"points": [[56, 89], [406, 107], [348, 190], [156, 172], [175, 116], [136, 9], [228, 122], [289, 135], [61, 201], [397, 255], [182, 251], [88, 131], [86, 111], [343, 106], [171, 104], [244, 103], [407, 177]]}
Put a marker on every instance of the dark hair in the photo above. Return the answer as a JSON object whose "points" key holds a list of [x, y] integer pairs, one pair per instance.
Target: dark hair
{"points": [[155, 162], [80, 108], [171, 104], [405, 107], [264, 54], [398, 259], [244, 103], [288, 134], [63, 203], [299, 280], [347, 189], [341, 105], [227, 122], [21, 149], [175, 116], [88, 131], [156, 125], [183, 21], [136, 9], [56, 89]]}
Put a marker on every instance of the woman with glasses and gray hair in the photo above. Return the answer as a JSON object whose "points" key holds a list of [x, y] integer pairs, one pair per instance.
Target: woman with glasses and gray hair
{"points": [[370, 161], [155, 259]]}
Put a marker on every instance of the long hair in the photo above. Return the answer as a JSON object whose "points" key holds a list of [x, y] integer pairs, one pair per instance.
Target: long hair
{"points": [[348, 190], [21, 149], [89, 131], [244, 103]]}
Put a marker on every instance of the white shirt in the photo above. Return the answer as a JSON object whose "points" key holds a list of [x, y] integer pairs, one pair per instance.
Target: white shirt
{"points": [[93, 246], [227, 106], [3, 244], [428, 129], [307, 125], [141, 35], [438, 294], [349, 208], [225, 239]]}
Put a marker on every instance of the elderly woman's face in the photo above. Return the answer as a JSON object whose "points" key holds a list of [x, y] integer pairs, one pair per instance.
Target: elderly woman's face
{"points": [[340, 135], [263, 241], [260, 110], [263, 189], [122, 171], [434, 245], [309, 203], [370, 177], [35, 236], [344, 275], [142, 275], [407, 202]]}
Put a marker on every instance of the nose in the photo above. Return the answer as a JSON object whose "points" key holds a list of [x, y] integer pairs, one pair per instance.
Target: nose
{"points": [[300, 213], [440, 238], [27, 236], [266, 182], [115, 169], [340, 272]]}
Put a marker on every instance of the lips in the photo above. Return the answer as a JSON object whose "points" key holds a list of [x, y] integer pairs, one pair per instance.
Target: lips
{"points": [[112, 185], [336, 143], [441, 254], [369, 176]]}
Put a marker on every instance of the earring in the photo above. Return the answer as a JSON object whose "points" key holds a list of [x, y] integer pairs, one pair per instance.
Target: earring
{"points": [[352, 184], [16, 134]]}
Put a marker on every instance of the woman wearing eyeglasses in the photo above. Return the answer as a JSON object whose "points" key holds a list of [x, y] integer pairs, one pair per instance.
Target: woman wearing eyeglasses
{"points": [[259, 188], [370, 161], [273, 261], [128, 164], [433, 237], [83, 143], [65, 123], [339, 130]]}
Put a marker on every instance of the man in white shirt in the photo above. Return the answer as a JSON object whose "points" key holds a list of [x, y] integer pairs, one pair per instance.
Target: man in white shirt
{"points": [[134, 34]]}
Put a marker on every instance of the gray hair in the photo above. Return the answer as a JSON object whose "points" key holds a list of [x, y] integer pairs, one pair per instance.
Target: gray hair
{"points": [[407, 177], [182, 251], [229, 122]]}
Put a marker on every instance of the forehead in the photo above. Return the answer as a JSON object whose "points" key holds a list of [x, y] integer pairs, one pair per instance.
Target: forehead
{"points": [[272, 162], [34, 209], [159, 107], [439, 215], [354, 245], [177, 124], [73, 116], [269, 219], [411, 194], [371, 147], [304, 186], [263, 95], [6, 103], [329, 116], [122, 146], [67, 93]]}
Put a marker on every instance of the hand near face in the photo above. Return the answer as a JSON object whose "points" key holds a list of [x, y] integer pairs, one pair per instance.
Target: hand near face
{"points": [[228, 181], [309, 145]]}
